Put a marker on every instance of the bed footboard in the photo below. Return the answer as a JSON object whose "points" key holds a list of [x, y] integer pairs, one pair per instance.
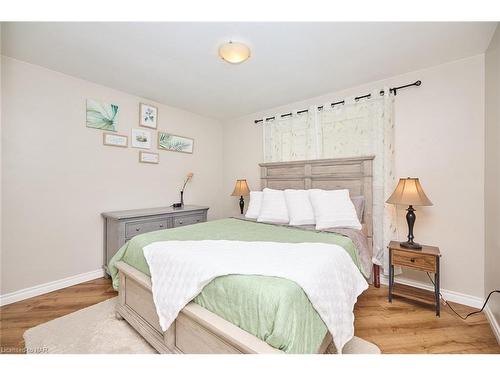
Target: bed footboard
{"points": [[195, 331]]}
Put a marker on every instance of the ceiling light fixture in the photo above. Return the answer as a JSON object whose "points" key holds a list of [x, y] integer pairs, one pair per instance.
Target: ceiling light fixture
{"points": [[234, 52]]}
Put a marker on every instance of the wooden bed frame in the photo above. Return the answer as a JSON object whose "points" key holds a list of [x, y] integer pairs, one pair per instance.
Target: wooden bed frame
{"points": [[197, 330]]}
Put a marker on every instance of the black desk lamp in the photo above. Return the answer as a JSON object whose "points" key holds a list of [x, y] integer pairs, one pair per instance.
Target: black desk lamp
{"points": [[241, 189], [409, 192]]}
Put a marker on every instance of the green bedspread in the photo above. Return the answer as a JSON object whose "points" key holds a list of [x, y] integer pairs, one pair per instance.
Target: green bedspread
{"points": [[275, 310]]}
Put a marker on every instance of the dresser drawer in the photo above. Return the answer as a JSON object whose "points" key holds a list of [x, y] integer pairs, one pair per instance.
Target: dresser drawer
{"points": [[180, 221], [412, 260], [139, 227]]}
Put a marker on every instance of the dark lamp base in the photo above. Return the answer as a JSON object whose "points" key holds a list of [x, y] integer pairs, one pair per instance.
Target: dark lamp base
{"points": [[242, 204], [411, 245]]}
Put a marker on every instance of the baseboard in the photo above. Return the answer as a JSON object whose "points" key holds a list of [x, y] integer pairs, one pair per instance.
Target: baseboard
{"points": [[495, 325], [37, 290], [449, 295]]}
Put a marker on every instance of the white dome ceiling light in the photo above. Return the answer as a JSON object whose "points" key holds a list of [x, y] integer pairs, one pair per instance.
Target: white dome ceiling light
{"points": [[234, 52]]}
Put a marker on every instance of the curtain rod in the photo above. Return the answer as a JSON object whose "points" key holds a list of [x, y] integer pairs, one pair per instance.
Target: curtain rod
{"points": [[393, 90]]}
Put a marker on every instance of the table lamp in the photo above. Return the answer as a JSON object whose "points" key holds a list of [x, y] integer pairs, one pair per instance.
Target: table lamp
{"points": [[241, 189], [409, 192]]}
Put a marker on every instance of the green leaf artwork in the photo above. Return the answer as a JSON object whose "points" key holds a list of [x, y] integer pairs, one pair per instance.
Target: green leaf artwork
{"points": [[174, 143], [102, 115]]}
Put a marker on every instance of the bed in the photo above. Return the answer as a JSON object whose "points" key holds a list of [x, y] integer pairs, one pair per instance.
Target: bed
{"points": [[203, 326]]}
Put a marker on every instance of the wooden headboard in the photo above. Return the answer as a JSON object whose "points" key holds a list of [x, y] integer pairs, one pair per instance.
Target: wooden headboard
{"points": [[354, 174]]}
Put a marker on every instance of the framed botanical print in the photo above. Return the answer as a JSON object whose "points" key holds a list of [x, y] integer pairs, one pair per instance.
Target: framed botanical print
{"points": [[141, 138], [117, 140], [101, 115], [172, 142], [148, 116], [149, 157]]}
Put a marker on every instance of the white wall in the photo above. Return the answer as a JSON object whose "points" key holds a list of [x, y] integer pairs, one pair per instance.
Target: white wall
{"points": [[439, 138], [58, 177], [492, 174]]}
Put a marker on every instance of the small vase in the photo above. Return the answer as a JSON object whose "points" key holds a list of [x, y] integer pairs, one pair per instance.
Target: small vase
{"points": [[182, 198]]}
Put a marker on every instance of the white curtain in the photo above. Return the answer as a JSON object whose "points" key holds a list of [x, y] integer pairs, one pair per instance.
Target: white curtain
{"points": [[356, 128], [290, 138]]}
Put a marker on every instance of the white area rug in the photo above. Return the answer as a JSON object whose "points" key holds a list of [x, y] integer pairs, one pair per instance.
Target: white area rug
{"points": [[95, 330]]}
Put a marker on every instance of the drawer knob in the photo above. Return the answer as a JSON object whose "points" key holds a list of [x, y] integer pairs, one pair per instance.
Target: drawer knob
{"points": [[161, 225], [137, 229], [197, 220], [180, 222], [412, 260]]}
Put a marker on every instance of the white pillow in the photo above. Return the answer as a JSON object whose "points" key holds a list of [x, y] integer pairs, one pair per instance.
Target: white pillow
{"points": [[299, 207], [333, 209], [254, 205], [273, 208]]}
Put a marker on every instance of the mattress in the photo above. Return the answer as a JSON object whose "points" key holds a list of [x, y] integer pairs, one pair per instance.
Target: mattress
{"points": [[273, 309]]}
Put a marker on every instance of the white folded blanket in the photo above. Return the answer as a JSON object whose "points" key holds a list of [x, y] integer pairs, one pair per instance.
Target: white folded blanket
{"points": [[326, 273]]}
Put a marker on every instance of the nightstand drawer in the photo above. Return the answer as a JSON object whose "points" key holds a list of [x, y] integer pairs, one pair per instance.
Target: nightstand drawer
{"points": [[188, 220], [138, 227], [422, 262]]}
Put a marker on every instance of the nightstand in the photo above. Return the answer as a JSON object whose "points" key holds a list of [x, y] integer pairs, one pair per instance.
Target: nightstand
{"points": [[426, 260]]}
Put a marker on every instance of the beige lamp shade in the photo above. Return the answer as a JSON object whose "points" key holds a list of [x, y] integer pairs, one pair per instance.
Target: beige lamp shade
{"points": [[241, 188], [409, 192]]}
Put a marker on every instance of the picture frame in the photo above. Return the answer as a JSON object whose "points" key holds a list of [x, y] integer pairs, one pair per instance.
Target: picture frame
{"points": [[148, 116], [141, 138], [115, 140], [176, 143], [102, 116], [149, 157]]}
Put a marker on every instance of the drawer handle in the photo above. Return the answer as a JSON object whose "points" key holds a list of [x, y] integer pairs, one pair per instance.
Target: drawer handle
{"points": [[412, 260]]}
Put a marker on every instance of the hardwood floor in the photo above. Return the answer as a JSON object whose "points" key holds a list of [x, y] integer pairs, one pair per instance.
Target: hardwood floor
{"points": [[404, 326], [18, 317], [400, 327]]}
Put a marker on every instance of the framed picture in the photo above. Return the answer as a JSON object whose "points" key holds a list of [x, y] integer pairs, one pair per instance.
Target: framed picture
{"points": [[117, 140], [172, 142], [149, 157], [141, 138], [148, 116], [102, 115]]}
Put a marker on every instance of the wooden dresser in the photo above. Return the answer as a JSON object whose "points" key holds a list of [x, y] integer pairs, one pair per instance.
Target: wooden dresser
{"points": [[121, 226]]}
